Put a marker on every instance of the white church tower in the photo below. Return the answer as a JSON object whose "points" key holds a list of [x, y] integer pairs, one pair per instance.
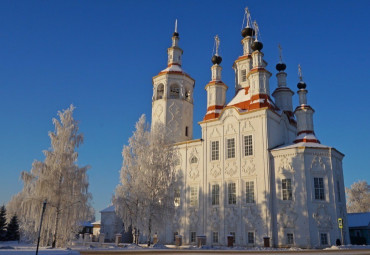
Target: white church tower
{"points": [[173, 96]]}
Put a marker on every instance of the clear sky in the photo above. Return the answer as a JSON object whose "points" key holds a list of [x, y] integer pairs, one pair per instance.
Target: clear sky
{"points": [[101, 57]]}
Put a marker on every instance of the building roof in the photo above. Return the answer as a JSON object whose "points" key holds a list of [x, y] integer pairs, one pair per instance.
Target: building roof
{"points": [[358, 219], [108, 209], [301, 144], [96, 222]]}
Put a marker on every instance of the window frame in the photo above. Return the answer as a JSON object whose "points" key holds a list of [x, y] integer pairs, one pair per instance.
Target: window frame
{"points": [[249, 192], [248, 147], [243, 75], [215, 237], [194, 202], [289, 238], [249, 239], [192, 238], [287, 192], [215, 150], [231, 196], [174, 91], [323, 234], [215, 196], [230, 150], [319, 188]]}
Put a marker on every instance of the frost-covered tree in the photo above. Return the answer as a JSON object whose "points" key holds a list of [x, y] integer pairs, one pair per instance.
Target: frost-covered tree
{"points": [[12, 232], [358, 197], [60, 182], [2, 223], [145, 196]]}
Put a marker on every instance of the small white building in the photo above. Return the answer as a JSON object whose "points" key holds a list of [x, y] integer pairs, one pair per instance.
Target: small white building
{"points": [[258, 170], [111, 224]]}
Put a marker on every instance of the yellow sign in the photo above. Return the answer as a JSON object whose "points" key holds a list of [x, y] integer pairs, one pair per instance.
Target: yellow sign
{"points": [[340, 222]]}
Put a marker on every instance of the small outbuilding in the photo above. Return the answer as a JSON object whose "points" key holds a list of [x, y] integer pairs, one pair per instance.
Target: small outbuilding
{"points": [[359, 227]]}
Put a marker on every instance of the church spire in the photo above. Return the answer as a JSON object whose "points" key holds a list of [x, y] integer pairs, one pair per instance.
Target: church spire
{"points": [[283, 94], [174, 52], [304, 114]]}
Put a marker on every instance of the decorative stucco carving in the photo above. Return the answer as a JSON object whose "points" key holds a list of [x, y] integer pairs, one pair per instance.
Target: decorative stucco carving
{"points": [[194, 173], [215, 170], [288, 216], [285, 165], [174, 112], [214, 217], [232, 217], [231, 168], [158, 112], [322, 217], [247, 126], [215, 133], [230, 130], [176, 223], [193, 217], [248, 167], [318, 164], [251, 217]]}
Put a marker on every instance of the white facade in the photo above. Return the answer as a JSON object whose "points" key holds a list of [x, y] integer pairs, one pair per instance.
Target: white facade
{"points": [[259, 170]]}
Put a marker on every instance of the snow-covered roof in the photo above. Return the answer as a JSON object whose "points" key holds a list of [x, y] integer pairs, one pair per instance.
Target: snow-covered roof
{"points": [[301, 144], [86, 224], [98, 222], [108, 209], [173, 68], [241, 96], [358, 219]]}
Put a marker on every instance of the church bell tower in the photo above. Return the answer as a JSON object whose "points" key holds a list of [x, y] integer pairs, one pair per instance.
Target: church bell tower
{"points": [[173, 96]]}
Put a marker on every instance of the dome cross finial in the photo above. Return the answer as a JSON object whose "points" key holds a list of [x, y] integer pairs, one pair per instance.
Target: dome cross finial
{"points": [[217, 43], [280, 53], [256, 29], [176, 26], [248, 17], [300, 75]]}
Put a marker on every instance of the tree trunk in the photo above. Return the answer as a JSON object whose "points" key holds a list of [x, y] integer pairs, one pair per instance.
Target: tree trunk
{"points": [[150, 230], [53, 245]]}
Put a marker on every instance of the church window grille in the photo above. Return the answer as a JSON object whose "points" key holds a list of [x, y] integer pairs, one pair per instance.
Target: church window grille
{"points": [[230, 148], [244, 75], [177, 197], [287, 189], [319, 189], [174, 91], [233, 234], [160, 91], [215, 237], [324, 238], [289, 238], [215, 194], [232, 193], [250, 237], [215, 149], [248, 146], [194, 160], [193, 196], [249, 192], [193, 236], [338, 191]]}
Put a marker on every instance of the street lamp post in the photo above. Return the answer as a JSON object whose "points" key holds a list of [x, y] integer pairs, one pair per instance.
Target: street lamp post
{"points": [[42, 216]]}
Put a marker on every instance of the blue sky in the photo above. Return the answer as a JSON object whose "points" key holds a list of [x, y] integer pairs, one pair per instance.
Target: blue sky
{"points": [[101, 57]]}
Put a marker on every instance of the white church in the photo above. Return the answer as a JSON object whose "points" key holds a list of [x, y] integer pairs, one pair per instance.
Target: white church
{"points": [[259, 171]]}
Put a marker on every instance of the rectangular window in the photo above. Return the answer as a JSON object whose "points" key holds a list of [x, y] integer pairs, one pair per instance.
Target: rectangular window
{"points": [[249, 192], [177, 197], [319, 189], [287, 189], [324, 238], [289, 238], [193, 237], [248, 147], [338, 191], [193, 196], [215, 149], [230, 148], [250, 237], [215, 237], [234, 236], [186, 131], [231, 188], [244, 75], [215, 194]]}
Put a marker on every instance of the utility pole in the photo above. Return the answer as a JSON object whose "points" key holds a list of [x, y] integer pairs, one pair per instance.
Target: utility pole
{"points": [[42, 216]]}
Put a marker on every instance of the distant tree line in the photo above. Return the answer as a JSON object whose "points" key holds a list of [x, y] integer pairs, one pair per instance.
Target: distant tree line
{"points": [[8, 231]]}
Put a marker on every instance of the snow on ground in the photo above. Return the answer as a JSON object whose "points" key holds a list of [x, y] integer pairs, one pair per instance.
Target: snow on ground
{"points": [[15, 248]]}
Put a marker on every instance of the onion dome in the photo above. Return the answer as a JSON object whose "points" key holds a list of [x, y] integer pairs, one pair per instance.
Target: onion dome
{"points": [[216, 60], [280, 67], [247, 31], [257, 45], [301, 85]]}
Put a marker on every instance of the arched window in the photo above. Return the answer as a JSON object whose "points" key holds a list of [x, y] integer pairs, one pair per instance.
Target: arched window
{"points": [[160, 91], [188, 95], [175, 91], [193, 160]]}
